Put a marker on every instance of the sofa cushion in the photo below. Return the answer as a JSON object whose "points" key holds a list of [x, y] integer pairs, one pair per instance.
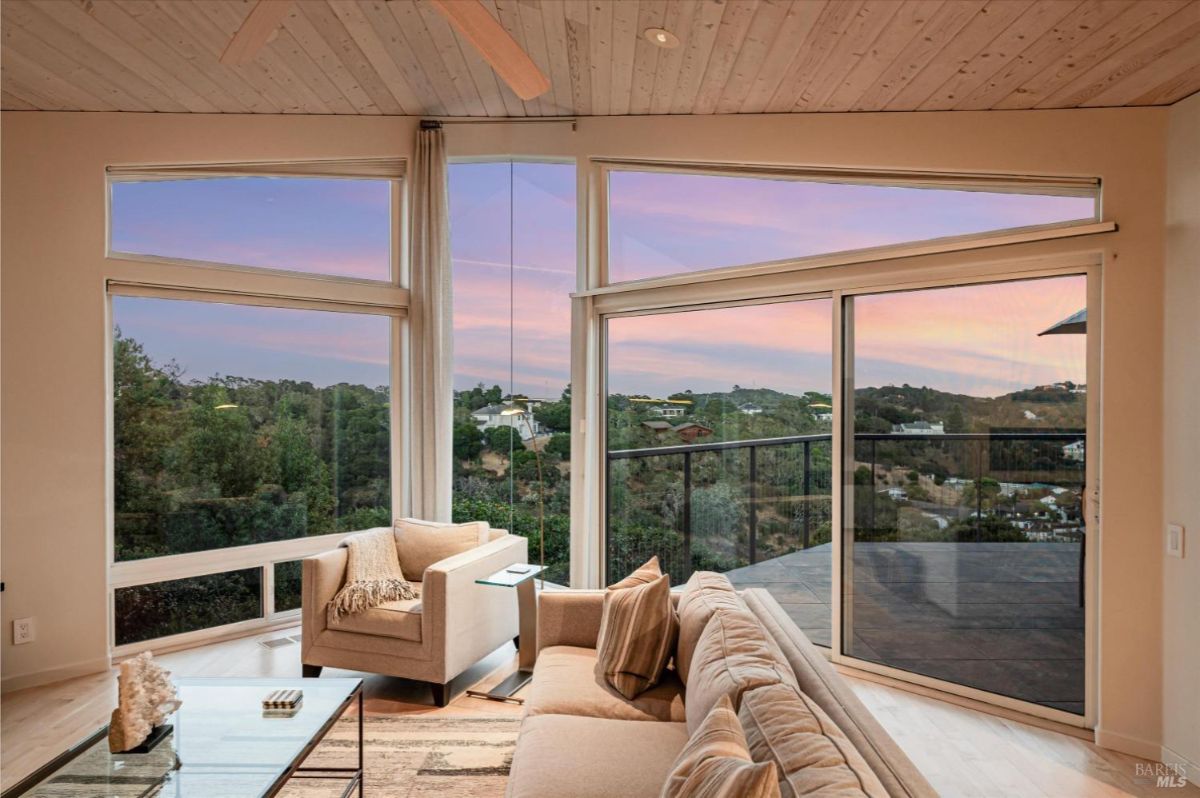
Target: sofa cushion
{"points": [[645, 574], [704, 594], [420, 544], [716, 762], [637, 635], [818, 680], [565, 682], [734, 654], [398, 619], [560, 755], [812, 755]]}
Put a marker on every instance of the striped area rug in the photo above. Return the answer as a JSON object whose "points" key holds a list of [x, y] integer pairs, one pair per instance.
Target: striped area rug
{"points": [[411, 756]]}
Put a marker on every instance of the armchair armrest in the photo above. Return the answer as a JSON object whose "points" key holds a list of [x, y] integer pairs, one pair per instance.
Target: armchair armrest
{"points": [[459, 615], [569, 618], [322, 576]]}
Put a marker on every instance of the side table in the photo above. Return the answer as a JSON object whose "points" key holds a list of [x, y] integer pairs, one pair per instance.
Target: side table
{"points": [[524, 583]]}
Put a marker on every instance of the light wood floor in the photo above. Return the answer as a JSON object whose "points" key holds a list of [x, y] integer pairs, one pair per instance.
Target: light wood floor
{"points": [[961, 751]]}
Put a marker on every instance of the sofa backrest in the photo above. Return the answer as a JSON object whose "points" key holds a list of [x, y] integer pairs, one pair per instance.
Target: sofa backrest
{"points": [[819, 681]]}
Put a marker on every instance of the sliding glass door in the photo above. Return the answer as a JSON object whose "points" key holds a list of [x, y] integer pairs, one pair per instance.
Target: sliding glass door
{"points": [[719, 425], [965, 418]]}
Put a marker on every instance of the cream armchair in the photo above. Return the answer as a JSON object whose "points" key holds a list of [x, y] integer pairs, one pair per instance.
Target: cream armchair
{"points": [[452, 624]]}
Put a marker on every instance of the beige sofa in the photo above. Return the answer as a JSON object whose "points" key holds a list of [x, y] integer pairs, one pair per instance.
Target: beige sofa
{"points": [[452, 624], [581, 738]]}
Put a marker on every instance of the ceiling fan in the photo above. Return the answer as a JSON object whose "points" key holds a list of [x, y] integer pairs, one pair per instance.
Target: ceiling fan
{"points": [[469, 18]]}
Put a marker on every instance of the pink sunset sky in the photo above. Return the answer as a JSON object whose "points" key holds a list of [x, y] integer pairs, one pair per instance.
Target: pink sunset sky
{"points": [[979, 340]]}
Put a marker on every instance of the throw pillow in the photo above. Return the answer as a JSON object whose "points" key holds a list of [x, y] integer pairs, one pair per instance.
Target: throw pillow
{"points": [[637, 635], [716, 762], [813, 756], [420, 544], [646, 573]]}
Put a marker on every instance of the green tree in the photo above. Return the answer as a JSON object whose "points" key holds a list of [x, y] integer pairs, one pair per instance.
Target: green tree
{"points": [[468, 441]]}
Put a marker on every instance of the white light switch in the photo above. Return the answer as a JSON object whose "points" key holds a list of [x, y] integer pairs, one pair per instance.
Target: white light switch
{"points": [[1174, 540]]}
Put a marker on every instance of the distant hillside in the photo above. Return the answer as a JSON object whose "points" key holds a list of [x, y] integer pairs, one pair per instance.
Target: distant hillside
{"points": [[1042, 407]]}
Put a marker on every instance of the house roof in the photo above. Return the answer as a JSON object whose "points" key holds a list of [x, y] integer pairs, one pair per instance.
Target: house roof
{"points": [[490, 410]]}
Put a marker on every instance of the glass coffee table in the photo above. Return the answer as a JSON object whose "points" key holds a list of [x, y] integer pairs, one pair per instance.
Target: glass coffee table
{"points": [[221, 745]]}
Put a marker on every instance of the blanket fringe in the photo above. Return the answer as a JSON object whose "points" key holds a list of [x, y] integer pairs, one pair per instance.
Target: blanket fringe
{"points": [[360, 596]]}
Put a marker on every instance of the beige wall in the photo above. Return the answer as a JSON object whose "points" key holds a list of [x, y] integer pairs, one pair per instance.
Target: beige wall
{"points": [[53, 502], [1181, 439]]}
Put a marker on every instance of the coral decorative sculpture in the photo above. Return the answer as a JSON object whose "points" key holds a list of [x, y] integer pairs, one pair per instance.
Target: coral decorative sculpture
{"points": [[145, 697]]}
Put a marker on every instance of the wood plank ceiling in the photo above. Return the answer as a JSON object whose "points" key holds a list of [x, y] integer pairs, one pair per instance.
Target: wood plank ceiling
{"points": [[735, 56]]}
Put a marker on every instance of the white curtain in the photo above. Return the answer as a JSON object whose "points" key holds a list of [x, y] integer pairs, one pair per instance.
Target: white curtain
{"points": [[431, 336]]}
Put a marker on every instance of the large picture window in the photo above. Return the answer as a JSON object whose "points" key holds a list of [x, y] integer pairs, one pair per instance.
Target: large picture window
{"points": [[512, 237], [235, 424], [719, 447]]}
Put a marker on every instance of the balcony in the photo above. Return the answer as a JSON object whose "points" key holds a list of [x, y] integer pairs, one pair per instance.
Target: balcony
{"points": [[971, 575]]}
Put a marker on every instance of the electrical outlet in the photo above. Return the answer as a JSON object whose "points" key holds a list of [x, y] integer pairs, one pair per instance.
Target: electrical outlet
{"points": [[1175, 540], [22, 631]]}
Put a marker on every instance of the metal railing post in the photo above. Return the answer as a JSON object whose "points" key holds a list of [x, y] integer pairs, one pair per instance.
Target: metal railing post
{"points": [[808, 504], [753, 504], [687, 516], [872, 493], [979, 492]]}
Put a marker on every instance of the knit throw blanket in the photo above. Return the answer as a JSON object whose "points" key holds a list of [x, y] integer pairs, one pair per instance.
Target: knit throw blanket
{"points": [[373, 574]]}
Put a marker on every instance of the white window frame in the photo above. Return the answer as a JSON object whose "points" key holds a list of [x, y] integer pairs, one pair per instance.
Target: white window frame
{"points": [[1054, 186], [182, 279], [1045, 251]]}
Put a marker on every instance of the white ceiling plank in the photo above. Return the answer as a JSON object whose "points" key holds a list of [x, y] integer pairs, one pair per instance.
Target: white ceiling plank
{"points": [[651, 14], [1145, 49], [678, 20], [910, 21], [735, 24], [991, 58], [956, 33], [697, 49], [354, 20]]}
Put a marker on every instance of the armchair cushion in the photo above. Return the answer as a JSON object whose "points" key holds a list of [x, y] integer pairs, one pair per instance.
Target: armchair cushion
{"points": [[420, 544], [398, 619]]}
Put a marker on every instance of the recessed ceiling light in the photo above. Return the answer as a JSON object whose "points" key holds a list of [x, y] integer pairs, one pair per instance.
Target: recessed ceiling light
{"points": [[661, 37]]}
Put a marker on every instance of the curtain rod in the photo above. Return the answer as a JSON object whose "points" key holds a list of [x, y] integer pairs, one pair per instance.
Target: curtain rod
{"points": [[433, 124]]}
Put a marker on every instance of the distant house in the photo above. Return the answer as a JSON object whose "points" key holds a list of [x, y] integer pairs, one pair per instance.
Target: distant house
{"points": [[493, 416], [1030, 415], [667, 411], [690, 431], [1074, 451], [658, 427], [750, 409], [919, 428], [824, 416], [895, 494]]}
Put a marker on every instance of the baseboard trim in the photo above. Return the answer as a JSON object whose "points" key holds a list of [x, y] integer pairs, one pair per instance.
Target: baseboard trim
{"points": [[1190, 769], [968, 703], [38, 678], [1134, 746]]}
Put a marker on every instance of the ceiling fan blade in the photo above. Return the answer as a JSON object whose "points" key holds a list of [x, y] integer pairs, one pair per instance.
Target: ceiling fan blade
{"points": [[255, 32], [498, 48]]}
